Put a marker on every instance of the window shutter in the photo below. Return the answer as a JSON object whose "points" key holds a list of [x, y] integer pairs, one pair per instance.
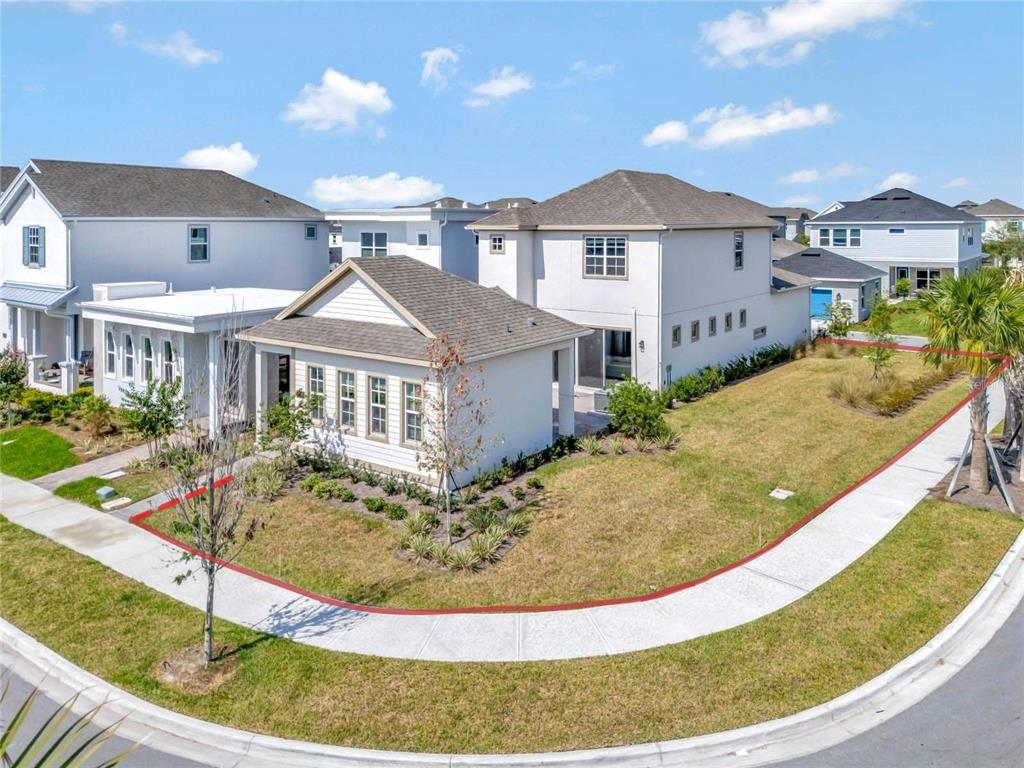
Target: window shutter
{"points": [[24, 246], [42, 246]]}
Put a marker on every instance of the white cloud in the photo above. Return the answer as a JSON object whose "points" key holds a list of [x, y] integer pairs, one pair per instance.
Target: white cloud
{"points": [[959, 181], [339, 100], [811, 175], [233, 158], [85, 7], [179, 46], [387, 189], [901, 179], [503, 83], [798, 201], [438, 65], [733, 124], [671, 132], [787, 33], [582, 70]]}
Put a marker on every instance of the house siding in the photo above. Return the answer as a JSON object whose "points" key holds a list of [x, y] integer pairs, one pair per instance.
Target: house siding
{"points": [[352, 299]]}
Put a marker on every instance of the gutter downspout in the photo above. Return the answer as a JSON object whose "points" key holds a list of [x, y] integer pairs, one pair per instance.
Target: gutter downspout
{"points": [[440, 241]]}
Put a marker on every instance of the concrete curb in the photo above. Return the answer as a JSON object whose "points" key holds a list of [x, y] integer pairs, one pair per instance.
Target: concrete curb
{"points": [[801, 734]]}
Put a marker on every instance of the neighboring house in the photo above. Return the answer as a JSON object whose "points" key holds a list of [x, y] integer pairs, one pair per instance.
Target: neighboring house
{"points": [[671, 277], [904, 234], [836, 278], [360, 337], [781, 248], [7, 175], [795, 220], [999, 217], [146, 332], [65, 226], [434, 233]]}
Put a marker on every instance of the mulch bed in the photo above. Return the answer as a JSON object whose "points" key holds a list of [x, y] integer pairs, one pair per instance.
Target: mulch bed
{"points": [[186, 670], [993, 499]]}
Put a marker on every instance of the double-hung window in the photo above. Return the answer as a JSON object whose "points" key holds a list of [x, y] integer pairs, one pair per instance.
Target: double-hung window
{"points": [[378, 421], [111, 355], [198, 244], [839, 238], [728, 321], [373, 243], [737, 250], [855, 238], [743, 318], [346, 399], [695, 330], [824, 237], [412, 411], [970, 235], [712, 326], [147, 358], [604, 256], [677, 335], [34, 242], [129, 357], [315, 387], [497, 243], [168, 362]]}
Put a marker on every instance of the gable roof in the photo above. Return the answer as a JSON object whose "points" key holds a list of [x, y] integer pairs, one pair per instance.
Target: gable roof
{"points": [[895, 205], [782, 280], [996, 207], [782, 248], [443, 202], [435, 303], [792, 213], [7, 174], [106, 189], [822, 264], [632, 200], [509, 202]]}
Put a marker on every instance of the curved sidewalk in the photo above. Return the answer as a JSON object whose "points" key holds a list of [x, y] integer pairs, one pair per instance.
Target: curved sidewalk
{"points": [[762, 584]]}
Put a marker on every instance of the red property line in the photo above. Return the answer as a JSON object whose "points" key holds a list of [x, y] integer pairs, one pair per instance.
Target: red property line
{"points": [[1006, 360]]}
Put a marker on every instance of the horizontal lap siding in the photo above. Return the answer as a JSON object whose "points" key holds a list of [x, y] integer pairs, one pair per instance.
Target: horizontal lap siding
{"points": [[354, 300]]}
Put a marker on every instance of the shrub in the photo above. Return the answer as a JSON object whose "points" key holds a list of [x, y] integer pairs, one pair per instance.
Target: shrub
{"points": [[535, 482], [517, 524], [98, 414], [497, 503], [420, 522], [591, 444], [469, 495], [486, 544], [389, 485], [463, 559], [667, 440], [712, 379], [518, 493], [903, 287], [333, 489], [441, 552], [636, 409], [421, 545], [37, 404], [394, 511], [263, 480], [617, 445], [374, 503], [458, 529], [642, 444], [688, 388], [309, 482], [480, 518], [370, 477]]}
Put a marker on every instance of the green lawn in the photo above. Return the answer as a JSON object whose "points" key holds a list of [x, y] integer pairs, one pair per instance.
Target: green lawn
{"points": [[617, 526], [862, 622], [908, 320], [34, 452], [134, 485]]}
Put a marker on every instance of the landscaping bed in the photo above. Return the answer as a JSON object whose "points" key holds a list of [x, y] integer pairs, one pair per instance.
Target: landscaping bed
{"points": [[614, 525], [908, 320], [876, 612]]}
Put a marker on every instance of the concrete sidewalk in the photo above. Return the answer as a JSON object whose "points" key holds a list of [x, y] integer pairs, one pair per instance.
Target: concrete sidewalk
{"points": [[94, 468], [776, 578]]}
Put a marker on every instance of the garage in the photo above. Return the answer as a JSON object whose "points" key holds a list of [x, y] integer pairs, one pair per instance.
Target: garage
{"points": [[820, 300]]}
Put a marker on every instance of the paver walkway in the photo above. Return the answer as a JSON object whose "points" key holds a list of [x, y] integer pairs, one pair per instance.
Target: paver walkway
{"points": [[800, 563], [94, 468]]}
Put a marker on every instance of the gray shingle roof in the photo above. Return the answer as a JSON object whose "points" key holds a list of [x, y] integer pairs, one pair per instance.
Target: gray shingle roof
{"points": [[104, 189], [821, 264], [996, 207], [792, 213], [781, 279], [443, 202], [632, 200], [490, 321], [509, 202], [895, 205], [7, 174], [782, 248]]}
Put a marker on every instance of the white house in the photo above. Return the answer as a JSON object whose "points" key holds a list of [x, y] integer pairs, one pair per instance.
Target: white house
{"points": [[65, 226], [144, 331], [904, 234], [360, 338], [999, 217], [836, 279], [670, 277], [433, 232]]}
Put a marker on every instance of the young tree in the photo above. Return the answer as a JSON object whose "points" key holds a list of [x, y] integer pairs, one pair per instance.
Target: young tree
{"points": [[902, 287], [840, 318], [803, 239], [216, 523], [880, 331], [978, 313], [155, 412], [454, 415], [13, 373], [292, 417]]}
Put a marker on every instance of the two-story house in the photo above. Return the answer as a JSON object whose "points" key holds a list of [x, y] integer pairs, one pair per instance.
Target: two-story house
{"points": [[671, 277], [65, 226], [998, 217], [902, 233], [433, 232]]}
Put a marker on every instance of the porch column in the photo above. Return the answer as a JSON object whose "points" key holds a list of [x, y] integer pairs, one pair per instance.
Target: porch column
{"points": [[260, 372], [567, 390], [214, 382], [69, 366]]}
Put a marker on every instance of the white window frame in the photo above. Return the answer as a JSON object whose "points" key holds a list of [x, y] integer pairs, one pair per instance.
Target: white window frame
{"points": [[855, 239], [110, 353], [599, 264], [712, 326], [205, 243], [970, 235], [835, 238], [416, 412], [306, 228], [346, 418], [743, 318], [728, 322], [168, 361], [426, 239], [737, 250], [694, 331], [374, 249], [372, 406], [497, 244], [677, 335], [825, 238], [128, 359], [147, 359], [35, 235], [863, 296], [319, 411]]}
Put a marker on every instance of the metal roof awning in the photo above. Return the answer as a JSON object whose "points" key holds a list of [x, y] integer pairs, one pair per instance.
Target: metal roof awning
{"points": [[35, 296]]}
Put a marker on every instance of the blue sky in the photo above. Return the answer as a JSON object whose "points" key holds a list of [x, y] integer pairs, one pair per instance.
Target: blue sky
{"points": [[347, 104]]}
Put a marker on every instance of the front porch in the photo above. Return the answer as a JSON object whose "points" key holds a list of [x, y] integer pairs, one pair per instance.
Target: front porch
{"points": [[49, 335]]}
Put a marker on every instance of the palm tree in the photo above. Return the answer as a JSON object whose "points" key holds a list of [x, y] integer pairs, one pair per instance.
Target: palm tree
{"points": [[977, 313]]}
